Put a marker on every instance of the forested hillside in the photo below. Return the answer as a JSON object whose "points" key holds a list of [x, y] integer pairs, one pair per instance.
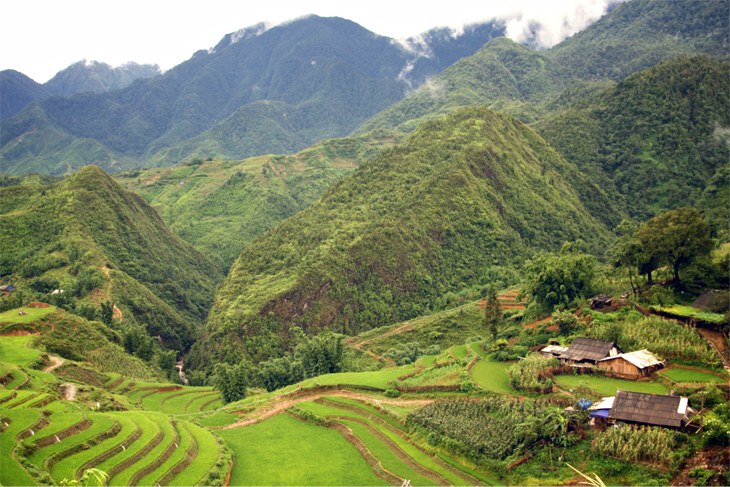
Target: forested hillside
{"points": [[260, 91], [222, 206], [509, 77], [465, 200], [86, 233], [657, 137]]}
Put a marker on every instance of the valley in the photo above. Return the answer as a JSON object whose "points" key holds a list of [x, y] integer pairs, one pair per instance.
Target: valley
{"points": [[289, 260]]}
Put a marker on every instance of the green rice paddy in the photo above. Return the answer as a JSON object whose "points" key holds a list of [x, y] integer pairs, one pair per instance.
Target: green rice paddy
{"points": [[378, 378], [12, 316], [492, 376], [13, 350], [686, 375], [607, 386]]}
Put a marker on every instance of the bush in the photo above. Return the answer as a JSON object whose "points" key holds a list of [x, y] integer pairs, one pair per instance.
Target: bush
{"points": [[391, 391]]}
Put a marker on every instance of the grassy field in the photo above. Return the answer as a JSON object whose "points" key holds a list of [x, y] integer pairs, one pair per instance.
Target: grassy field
{"points": [[14, 351], [207, 456], [686, 375], [492, 376], [378, 378], [448, 374], [477, 349], [11, 473], [221, 418], [607, 387], [177, 455], [12, 316], [286, 451]]}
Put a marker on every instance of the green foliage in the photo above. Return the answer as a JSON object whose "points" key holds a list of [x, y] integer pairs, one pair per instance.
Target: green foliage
{"points": [[408, 353], [232, 381], [636, 443], [526, 374], [556, 281], [565, 321], [492, 313], [418, 219], [675, 238], [153, 276]]}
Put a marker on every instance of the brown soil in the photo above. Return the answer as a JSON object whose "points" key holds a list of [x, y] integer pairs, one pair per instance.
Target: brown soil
{"points": [[19, 333], [36, 304], [535, 323]]}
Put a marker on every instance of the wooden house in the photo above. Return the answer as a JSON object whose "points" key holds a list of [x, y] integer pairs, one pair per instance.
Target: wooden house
{"points": [[633, 365], [650, 409], [588, 351], [602, 301]]}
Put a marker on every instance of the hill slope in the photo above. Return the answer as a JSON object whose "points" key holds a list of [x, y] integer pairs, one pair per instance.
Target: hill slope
{"points": [[222, 206], [464, 199], [88, 233], [261, 91], [655, 136], [507, 77]]}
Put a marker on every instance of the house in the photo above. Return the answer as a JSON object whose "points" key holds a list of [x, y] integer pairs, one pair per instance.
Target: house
{"points": [[601, 301], [553, 351], [650, 409], [7, 287], [633, 365], [588, 351], [598, 412]]}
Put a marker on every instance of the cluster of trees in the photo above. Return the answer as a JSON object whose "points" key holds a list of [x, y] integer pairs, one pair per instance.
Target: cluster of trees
{"points": [[676, 239]]}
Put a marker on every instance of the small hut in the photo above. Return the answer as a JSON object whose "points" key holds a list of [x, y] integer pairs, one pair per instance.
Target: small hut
{"points": [[601, 301], [588, 351], [633, 365], [553, 351], [7, 287], [650, 409]]}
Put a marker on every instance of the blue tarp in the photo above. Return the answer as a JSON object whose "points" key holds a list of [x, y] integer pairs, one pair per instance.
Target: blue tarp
{"points": [[600, 413]]}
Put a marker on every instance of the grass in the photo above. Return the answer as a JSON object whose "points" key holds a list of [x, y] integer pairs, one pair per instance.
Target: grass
{"points": [[149, 431], [43, 376], [221, 418], [467, 470], [13, 350], [196, 403], [477, 349], [59, 422], [11, 473], [448, 374], [694, 313], [125, 476], [459, 352], [18, 378], [207, 456], [492, 376], [286, 451], [11, 316], [686, 375], [410, 450], [20, 395], [66, 468], [177, 456], [387, 458], [367, 410], [608, 387], [101, 423], [378, 378], [428, 360]]}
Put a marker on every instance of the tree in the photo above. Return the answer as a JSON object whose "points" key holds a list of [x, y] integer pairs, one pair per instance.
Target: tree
{"points": [[627, 251], [231, 381], [107, 312], [492, 313], [565, 321], [557, 280], [675, 238]]}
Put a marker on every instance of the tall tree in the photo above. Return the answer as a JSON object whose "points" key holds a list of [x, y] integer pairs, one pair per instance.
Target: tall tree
{"points": [[627, 251], [675, 238], [231, 381], [492, 313]]}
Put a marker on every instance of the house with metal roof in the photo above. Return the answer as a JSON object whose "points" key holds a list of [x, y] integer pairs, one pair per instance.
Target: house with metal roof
{"points": [[633, 365], [553, 351], [650, 409], [588, 351]]}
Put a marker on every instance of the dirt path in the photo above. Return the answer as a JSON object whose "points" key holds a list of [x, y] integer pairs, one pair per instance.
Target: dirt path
{"points": [[117, 313], [69, 391], [56, 363], [277, 407], [358, 346]]}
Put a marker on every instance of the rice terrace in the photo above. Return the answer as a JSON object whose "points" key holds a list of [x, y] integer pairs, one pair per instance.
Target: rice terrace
{"points": [[494, 253]]}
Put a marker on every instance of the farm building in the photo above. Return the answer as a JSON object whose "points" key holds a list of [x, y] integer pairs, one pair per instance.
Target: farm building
{"points": [[588, 351], [601, 301], [633, 365], [7, 287], [553, 351], [650, 409]]}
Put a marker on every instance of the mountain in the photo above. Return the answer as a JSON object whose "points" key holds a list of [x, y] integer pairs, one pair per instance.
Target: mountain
{"points": [[89, 234], [16, 91], [222, 206], [654, 138], [98, 77], [258, 91], [462, 202], [513, 78]]}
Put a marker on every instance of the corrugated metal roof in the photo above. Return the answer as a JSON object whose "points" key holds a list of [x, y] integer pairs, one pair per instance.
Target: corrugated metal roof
{"points": [[555, 349], [640, 358], [588, 349], [605, 403], [651, 409]]}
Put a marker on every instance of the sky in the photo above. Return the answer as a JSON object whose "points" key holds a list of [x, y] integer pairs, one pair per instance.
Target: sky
{"points": [[43, 37]]}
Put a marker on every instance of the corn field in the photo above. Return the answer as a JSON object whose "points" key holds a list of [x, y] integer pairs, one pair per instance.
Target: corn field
{"points": [[110, 359], [662, 337], [527, 374], [486, 428], [647, 444]]}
